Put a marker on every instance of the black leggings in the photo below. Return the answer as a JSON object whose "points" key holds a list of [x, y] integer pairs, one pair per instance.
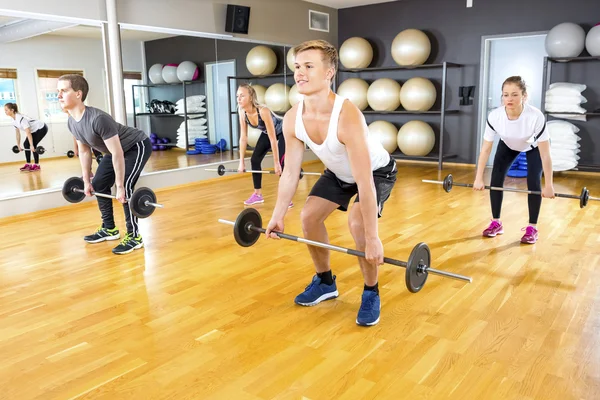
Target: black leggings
{"points": [[37, 137], [502, 162], [135, 159], [263, 145]]}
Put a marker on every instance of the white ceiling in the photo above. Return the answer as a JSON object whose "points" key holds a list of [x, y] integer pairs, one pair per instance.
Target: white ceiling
{"points": [[347, 3]]}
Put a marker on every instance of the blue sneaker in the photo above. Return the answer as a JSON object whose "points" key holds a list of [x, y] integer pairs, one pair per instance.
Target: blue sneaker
{"points": [[368, 314], [317, 292]]}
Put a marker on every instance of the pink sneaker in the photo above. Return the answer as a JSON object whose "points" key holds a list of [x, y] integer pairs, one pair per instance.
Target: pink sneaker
{"points": [[35, 167], [494, 229], [530, 236], [291, 204], [254, 199], [25, 168]]}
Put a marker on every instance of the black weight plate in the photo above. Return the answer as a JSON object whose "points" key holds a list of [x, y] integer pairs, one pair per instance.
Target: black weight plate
{"points": [[221, 170], [448, 181], [137, 203], [244, 236], [15, 149], [40, 150], [419, 256], [69, 194], [70, 154], [584, 198], [301, 173]]}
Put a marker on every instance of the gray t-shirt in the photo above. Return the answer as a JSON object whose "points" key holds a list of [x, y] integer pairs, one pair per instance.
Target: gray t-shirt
{"points": [[96, 126]]}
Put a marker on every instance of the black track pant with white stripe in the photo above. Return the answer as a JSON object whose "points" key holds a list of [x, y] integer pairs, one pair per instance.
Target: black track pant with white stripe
{"points": [[135, 159]]}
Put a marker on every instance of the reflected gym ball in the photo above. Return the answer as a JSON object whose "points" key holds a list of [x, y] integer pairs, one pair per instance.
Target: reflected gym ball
{"points": [[411, 47], [253, 135], [355, 90], [290, 59], [386, 133], [276, 98], [592, 41], [416, 138], [187, 71], [260, 93], [261, 60], [294, 96], [384, 95], [418, 94], [565, 40], [356, 52], [169, 73], [155, 74]]}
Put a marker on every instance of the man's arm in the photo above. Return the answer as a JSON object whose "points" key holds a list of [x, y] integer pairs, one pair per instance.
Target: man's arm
{"points": [[85, 159], [352, 132], [114, 147], [294, 153]]}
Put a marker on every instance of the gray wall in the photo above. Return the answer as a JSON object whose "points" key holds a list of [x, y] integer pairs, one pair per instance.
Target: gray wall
{"points": [[455, 32]]}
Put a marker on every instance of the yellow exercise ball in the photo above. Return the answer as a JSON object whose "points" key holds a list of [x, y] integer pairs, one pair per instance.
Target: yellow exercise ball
{"points": [[261, 60], [387, 134], [290, 59], [418, 94], [276, 98], [411, 47], [356, 52], [260, 93], [253, 135], [294, 96], [384, 95], [355, 90], [416, 138]]}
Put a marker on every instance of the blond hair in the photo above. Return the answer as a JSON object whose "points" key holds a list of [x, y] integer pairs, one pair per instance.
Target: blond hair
{"points": [[252, 94], [330, 54]]}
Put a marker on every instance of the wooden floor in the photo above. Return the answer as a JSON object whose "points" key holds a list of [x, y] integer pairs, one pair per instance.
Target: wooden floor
{"points": [[195, 316], [55, 171]]}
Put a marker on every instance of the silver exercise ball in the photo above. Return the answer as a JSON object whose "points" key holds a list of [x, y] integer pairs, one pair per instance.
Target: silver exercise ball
{"points": [[260, 93], [261, 60], [355, 90], [565, 40], [290, 59], [253, 135], [418, 94], [411, 47], [592, 41], [387, 134], [384, 95], [356, 52], [276, 98], [416, 138]]}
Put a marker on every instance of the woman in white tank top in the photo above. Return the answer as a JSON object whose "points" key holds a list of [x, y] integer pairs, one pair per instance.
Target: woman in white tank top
{"points": [[34, 131]]}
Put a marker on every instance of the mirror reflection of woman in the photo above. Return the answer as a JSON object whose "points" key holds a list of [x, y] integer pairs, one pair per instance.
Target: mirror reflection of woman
{"points": [[34, 131], [253, 114]]}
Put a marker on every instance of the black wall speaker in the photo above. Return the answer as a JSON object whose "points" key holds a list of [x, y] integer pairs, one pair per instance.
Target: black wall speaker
{"points": [[238, 19]]}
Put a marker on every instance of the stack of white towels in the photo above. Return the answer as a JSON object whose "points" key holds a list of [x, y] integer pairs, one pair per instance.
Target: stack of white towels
{"points": [[196, 123], [564, 145], [564, 97]]}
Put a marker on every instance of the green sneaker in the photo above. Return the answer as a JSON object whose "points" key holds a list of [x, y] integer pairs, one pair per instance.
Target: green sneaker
{"points": [[129, 244], [103, 234]]}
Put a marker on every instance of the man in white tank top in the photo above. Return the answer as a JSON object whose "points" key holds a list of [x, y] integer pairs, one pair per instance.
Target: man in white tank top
{"points": [[356, 164]]}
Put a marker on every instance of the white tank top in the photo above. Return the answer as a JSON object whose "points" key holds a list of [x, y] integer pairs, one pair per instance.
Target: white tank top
{"points": [[331, 152]]}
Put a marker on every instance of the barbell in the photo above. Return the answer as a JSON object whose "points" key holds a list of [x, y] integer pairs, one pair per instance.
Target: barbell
{"points": [[142, 203], [221, 170], [71, 154], [40, 150], [248, 227], [448, 183]]}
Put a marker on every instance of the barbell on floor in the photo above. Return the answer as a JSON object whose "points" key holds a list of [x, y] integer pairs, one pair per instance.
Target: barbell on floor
{"points": [[142, 203], [247, 228], [221, 170], [448, 183], [40, 150]]}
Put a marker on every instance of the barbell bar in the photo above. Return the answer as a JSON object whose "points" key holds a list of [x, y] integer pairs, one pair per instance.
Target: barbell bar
{"points": [[40, 150], [221, 170]]}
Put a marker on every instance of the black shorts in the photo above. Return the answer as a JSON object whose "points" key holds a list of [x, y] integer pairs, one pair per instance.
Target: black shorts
{"points": [[329, 187]]}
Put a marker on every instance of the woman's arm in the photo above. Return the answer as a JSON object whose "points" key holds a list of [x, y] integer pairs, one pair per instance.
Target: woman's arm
{"points": [[267, 117], [547, 166], [243, 137]]}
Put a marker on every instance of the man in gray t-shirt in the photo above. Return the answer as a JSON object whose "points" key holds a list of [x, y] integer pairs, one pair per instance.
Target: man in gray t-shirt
{"points": [[126, 151]]}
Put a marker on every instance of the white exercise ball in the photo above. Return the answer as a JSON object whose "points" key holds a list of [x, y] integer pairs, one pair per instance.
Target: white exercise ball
{"points": [[261, 60], [356, 52], [290, 59], [565, 40], [169, 73], [411, 47], [294, 96], [276, 98], [187, 71], [416, 138], [355, 90], [418, 94], [155, 74], [384, 95], [386, 133], [592, 41], [260, 93], [253, 135]]}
